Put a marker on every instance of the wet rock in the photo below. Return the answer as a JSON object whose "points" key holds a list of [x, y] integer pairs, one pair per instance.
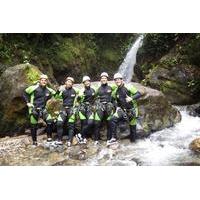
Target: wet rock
{"points": [[77, 153], [195, 145], [177, 82], [194, 110]]}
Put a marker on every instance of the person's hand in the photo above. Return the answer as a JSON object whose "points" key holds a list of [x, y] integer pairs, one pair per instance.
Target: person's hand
{"points": [[118, 109], [128, 99], [30, 105]]}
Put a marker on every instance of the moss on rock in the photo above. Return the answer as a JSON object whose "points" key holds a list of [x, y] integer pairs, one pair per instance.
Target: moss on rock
{"points": [[13, 108]]}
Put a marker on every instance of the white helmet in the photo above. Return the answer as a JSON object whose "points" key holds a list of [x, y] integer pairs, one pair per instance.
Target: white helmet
{"points": [[43, 76], [70, 78], [117, 75], [104, 74], [85, 78]]}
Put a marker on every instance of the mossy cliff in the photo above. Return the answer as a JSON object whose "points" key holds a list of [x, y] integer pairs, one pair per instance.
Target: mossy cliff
{"points": [[171, 64]]}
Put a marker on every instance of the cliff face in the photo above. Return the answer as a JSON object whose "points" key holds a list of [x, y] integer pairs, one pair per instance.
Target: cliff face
{"points": [[171, 64]]}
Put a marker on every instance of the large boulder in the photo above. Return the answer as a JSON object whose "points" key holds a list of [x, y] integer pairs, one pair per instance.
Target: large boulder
{"points": [[155, 111], [13, 109], [178, 82]]}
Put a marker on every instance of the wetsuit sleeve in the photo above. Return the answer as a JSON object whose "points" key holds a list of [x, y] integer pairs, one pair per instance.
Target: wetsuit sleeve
{"points": [[96, 89], [135, 94], [58, 95], [26, 97], [80, 96], [113, 87], [76, 98], [53, 92], [28, 92], [114, 98]]}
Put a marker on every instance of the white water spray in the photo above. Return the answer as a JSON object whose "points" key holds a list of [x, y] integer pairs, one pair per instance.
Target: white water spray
{"points": [[126, 69]]}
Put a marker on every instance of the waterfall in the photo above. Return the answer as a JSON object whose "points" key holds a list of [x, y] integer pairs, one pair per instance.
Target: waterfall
{"points": [[126, 69]]}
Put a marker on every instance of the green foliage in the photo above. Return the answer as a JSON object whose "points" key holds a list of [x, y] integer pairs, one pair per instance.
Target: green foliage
{"points": [[191, 50], [194, 86], [171, 61], [32, 74], [61, 54], [156, 45]]}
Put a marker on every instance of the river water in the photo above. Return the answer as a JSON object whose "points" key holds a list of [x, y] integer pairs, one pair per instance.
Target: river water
{"points": [[167, 147]]}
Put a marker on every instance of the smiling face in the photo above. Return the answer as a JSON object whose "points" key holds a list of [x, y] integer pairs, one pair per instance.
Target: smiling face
{"points": [[87, 83], [68, 83], [104, 80], [43, 82], [118, 81]]}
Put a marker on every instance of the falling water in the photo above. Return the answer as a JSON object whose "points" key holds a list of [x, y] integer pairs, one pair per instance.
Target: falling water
{"points": [[127, 67]]}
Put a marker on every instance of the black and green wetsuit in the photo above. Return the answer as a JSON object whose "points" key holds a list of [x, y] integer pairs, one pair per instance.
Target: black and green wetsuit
{"points": [[38, 96], [104, 109], [86, 112], [67, 114], [126, 110]]}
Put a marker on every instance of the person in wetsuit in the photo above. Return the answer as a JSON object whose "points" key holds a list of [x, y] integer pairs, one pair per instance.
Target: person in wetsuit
{"points": [[67, 114], [104, 107], [36, 97], [86, 99], [127, 109]]}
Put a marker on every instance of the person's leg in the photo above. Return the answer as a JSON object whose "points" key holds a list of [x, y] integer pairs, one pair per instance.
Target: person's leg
{"points": [[71, 125], [89, 124], [117, 116], [49, 121], [109, 115], [109, 133], [97, 124], [133, 133], [34, 133], [133, 121], [83, 128], [34, 125], [60, 123], [83, 120]]}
